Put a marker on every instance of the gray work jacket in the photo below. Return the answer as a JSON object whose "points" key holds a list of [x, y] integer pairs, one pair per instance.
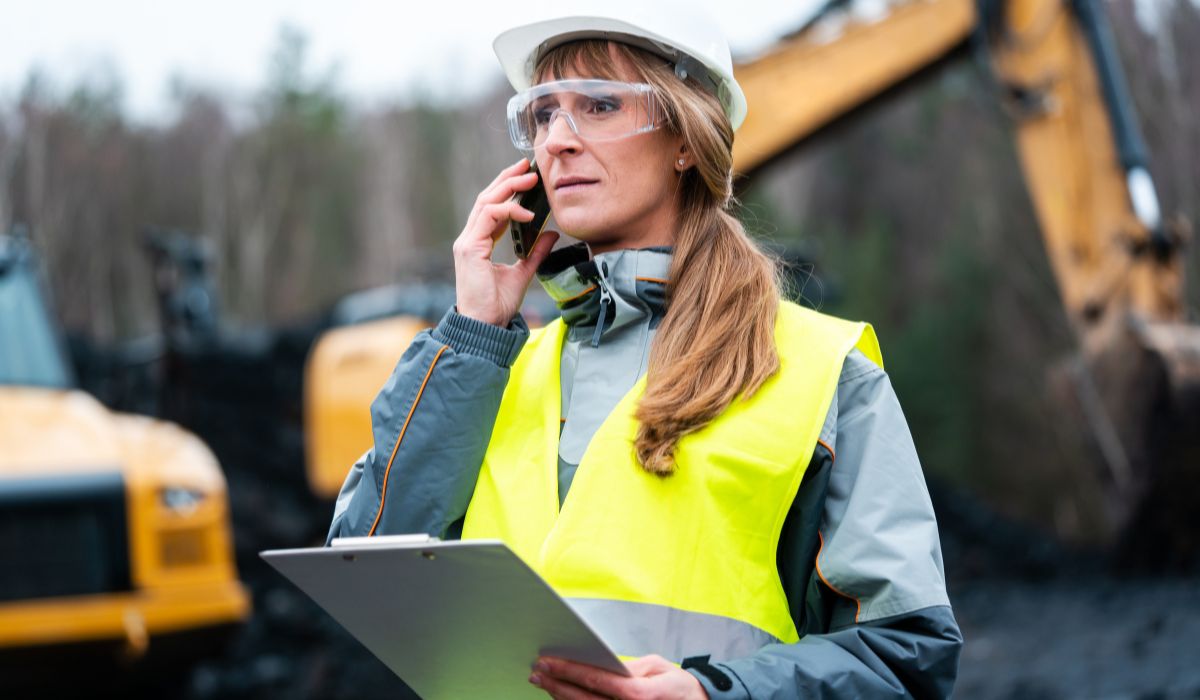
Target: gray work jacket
{"points": [[859, 556]]}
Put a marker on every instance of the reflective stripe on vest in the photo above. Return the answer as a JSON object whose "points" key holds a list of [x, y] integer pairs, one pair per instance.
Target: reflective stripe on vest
{"points": [[674, 565], [638, 629]]}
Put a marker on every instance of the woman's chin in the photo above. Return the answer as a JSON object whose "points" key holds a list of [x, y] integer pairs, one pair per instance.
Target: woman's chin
{"points": [[573, 223], [589, 236], [585, 226], [580, 233]]}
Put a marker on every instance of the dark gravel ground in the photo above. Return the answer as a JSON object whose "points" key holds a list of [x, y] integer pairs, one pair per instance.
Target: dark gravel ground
{"points": [[1043, 621], [1098, 637]]}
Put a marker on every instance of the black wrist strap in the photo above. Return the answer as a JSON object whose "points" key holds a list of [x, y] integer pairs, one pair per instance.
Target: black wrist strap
{"points": [[715, 675]]}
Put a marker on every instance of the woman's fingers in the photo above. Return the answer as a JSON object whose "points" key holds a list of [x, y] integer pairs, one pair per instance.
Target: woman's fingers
{"points": [[518, 167], [498, 216], [484, 196], [486, 219], [561, 690], [508, 209], [570, 679], [511, 180], [490, 224], [507, 187], [516, 170]]}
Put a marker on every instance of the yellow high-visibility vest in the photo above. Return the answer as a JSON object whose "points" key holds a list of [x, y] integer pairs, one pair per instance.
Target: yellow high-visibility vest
{"points": [[682, 565]]}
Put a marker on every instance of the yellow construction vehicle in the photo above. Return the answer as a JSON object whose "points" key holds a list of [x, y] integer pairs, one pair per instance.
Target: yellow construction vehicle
{"points": [[1116, 260], [346, 366], [114, 529]]}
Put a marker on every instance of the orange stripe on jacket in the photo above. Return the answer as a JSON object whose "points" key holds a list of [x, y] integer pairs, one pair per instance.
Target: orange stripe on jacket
{"points": [[581, 294], [826, 445], [857, 602], [403, 429]]}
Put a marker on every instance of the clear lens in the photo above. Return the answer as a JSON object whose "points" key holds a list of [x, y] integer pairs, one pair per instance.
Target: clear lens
{"points": [[596, 110]]}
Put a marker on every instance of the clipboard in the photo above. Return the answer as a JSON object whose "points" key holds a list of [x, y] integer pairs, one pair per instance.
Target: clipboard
{"points": [[455, 619]]}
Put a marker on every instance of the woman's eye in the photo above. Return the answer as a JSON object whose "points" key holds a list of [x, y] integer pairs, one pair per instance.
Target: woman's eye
{"points": [[541, 117], [604, 105]]}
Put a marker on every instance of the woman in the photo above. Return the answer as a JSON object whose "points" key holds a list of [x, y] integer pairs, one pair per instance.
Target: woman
{"points": [[664, 454]]}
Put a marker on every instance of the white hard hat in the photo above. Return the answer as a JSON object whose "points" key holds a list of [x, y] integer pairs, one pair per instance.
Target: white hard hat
{"points": [[684, 36]]}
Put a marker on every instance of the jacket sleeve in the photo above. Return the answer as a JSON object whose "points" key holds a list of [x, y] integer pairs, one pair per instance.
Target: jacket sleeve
{"points": [[431, 423], [861, 564]]}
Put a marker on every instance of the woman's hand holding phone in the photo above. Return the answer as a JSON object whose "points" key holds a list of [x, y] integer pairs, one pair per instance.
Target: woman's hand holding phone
{"points": [[487, 291]]}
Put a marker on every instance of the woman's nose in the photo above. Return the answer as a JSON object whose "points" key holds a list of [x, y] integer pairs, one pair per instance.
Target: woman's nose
{"points": [[562, 136]]}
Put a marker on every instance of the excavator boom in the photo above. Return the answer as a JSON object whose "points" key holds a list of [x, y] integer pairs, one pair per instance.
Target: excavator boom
{"points": [[1115, 259]]}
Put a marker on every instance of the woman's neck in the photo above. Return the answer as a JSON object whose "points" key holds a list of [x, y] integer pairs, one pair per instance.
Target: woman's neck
{"points": [[655, 230]]}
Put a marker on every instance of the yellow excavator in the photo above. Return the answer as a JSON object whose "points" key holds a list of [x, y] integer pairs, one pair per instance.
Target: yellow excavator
{"points": [[115, 544], [1116, 260]]}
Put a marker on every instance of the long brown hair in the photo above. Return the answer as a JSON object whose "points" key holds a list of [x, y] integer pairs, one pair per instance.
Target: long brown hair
{"points": [[716, 341]]}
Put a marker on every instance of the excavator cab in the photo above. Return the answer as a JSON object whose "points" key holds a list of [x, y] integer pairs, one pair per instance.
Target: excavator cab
{"points": [[30, 351]]}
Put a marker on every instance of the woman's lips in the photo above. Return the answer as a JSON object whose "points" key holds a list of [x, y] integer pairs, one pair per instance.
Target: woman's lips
{"points": [[574, 186]]}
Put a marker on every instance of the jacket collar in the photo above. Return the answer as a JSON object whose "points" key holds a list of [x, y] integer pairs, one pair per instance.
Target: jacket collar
{"points": [[625, 287]]}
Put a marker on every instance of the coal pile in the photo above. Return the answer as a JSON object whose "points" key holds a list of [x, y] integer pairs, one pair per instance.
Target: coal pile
{"points": [[1102, 637], [1045, 621]]}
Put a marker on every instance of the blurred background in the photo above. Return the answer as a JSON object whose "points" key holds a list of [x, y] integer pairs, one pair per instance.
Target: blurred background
{"points": [[225, 222]]}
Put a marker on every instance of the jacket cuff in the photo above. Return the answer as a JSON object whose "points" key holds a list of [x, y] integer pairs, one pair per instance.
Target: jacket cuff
{"points": [[719, 682], [471, 337]]}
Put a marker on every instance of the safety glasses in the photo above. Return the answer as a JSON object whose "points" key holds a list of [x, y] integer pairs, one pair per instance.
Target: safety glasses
{"points": [[596, 110]]}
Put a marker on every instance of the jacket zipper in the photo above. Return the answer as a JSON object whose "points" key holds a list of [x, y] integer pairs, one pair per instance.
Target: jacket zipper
{"points": [[605, 300]]}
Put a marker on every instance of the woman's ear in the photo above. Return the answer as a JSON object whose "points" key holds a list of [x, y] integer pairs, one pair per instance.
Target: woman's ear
{"points": [[683, 159]]}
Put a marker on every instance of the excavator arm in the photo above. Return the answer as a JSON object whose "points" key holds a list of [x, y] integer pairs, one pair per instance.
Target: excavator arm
{"points": [[834, 66], [1116, 262], [1079, 144]]}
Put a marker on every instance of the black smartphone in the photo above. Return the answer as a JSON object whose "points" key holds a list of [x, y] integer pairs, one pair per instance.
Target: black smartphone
{"points": [[524, 235]]}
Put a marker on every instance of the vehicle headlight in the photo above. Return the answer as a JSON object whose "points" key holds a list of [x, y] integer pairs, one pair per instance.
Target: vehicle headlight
{"points": [[181, 501]]}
